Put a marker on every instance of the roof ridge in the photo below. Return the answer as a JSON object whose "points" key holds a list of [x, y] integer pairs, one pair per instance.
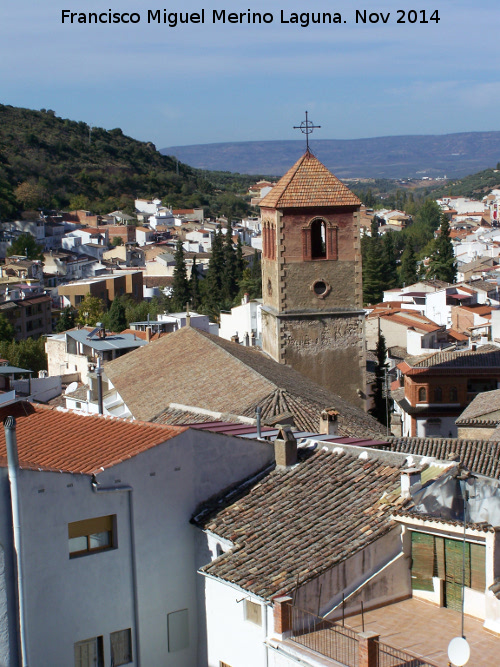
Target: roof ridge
{"points": [[214, 339]]}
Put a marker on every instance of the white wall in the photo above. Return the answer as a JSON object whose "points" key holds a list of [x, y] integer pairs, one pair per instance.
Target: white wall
{"points": [[231, 638], [69, 600]]}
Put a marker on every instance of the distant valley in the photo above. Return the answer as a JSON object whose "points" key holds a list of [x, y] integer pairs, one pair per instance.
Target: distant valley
{"points": [[453, 155]]}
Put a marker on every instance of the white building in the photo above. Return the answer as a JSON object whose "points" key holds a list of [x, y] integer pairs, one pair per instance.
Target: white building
{"points": [[244, 322], [107, 556]]}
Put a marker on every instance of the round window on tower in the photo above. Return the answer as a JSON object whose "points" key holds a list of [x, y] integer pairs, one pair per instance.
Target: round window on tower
{"points": [[321, 288]]}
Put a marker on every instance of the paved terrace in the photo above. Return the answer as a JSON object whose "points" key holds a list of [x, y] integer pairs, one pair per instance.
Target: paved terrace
{"points": [[426, 630]]}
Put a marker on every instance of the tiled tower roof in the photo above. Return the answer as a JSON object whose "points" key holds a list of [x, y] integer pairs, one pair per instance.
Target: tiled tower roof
{"points": [[309, 183]]}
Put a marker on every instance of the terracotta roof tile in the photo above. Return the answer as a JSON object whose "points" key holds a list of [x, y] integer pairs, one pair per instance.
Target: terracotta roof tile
{"points": [[194, 368], [300, 521], [54, 439], [309, 183]]}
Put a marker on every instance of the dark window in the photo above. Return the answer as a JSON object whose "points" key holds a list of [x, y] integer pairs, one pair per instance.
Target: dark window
{"points": [[89, 653], [91, 535], [474, 386], [318, 239], [121, 647], [438, 394], [422, 394], [453, 394]]}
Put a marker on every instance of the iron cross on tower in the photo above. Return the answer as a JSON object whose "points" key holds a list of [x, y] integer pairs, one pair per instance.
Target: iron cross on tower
{"points": [[306, 127]]}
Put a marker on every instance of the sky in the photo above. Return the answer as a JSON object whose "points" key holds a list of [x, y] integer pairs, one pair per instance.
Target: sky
{"points": [[216, 82]]}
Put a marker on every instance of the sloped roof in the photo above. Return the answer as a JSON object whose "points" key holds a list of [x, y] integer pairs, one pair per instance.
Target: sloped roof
{"points": [[486, 356], [481, 408], [56, 439], [298, 522], [479, 456], [194, 368], [309, 183]]}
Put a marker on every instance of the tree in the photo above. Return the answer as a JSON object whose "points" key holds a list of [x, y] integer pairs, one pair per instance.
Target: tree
{"points": [[32, 195], [180, 285], [373, 270], [116, 240], [67, 319], [194, 286], [90, 311], [240, 262], [379, 410], [442, 264], [7, 331], [229, 284], [389, 259], [212, 285], [429, 214], [408, 274], [29, 353], [26, 246], [116, 316]]}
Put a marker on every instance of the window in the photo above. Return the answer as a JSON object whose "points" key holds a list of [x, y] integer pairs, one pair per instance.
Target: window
{"points": [[253, 612], [453, 395], [89, 653], [178, 630], [121, 647], [91, 535], [438, 394], [422, 394], [319, 240]]}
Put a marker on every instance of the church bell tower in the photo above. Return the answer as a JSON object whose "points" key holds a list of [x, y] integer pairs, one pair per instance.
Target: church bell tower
{"points": [[312, 316]]}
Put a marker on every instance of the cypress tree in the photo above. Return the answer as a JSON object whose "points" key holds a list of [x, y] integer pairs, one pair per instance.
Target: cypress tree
{"points": [[116, 317], [408, 274], [180, 285], [240, 262], [373, 270], [194, 286], [212, 285], [229, 284], [389, 258], [442, 265], [379, 410]]}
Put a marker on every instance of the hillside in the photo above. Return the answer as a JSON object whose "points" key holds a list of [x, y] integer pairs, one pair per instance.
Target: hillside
{"points": [[475, 185], [453, 155], [58, 160]]}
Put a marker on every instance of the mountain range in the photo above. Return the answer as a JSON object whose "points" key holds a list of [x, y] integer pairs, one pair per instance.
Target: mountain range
{"points": [[412, 156]]}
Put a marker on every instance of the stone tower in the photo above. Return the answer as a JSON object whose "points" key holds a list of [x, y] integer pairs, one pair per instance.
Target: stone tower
{"points": [[312, 317]]}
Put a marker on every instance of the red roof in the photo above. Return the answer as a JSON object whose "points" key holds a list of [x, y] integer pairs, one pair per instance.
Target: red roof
{"points": [[56, 439], [309, 184]]}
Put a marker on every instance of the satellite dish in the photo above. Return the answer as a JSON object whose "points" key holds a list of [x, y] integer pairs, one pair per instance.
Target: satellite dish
{"points": [[459, 651], [71, 388]]}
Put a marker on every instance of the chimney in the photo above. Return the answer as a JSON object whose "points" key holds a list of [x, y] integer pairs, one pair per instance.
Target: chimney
{"points": [[235, 339], [246, 339], [285, 448], [328, 422], [252, 338], [409, 477], [245, 299], [148, 334]]}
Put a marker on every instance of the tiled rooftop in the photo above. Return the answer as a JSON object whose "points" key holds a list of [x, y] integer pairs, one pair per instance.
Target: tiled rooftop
{"points": [[194, 368], [481, 408], [479, 456], [309, 183], [484, 357], [300, 521], [54, 439]]}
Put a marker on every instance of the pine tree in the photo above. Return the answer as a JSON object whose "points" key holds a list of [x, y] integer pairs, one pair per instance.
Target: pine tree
{"points": [[379, 410], [240, 262], [194, 286], [229, 284], [180, 285], [408, 274], [389, 257], [7, 331], [116, 317], [212, 285], [442, 265], [373, 270]]}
